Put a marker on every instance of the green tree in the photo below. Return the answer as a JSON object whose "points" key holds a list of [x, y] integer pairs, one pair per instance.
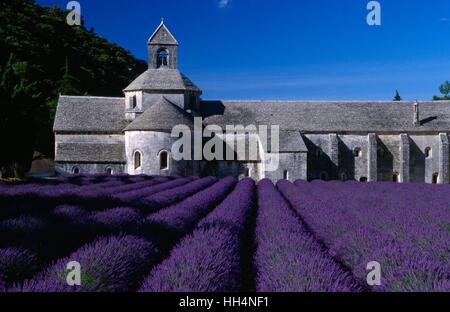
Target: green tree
{"points": [[40, 57], [68, 84], [397, 96], [19, 121], [445, 91]]}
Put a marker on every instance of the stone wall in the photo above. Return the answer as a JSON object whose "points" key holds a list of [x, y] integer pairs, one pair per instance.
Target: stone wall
{"points": [[90, 138], [292, 165], [422, 168], [150, 144], [388, 157], [89, 168]]}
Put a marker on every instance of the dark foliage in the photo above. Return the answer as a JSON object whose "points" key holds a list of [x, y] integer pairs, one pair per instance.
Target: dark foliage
{"points": [[40, 57]]}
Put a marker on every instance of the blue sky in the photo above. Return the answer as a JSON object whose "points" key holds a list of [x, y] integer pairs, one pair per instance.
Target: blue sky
{"points": [[296, 49]]}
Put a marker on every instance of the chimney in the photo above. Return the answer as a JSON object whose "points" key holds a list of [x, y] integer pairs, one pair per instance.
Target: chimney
{"points": [[416, 114]]}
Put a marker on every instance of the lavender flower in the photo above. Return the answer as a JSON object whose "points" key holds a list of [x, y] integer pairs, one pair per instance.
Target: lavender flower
{"points": [[209, 260], [288, 257], [112, 264], [17, 264]]}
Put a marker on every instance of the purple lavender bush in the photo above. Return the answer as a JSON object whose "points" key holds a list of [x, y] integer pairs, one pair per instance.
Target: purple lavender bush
{"points": [[210, 259], [111, 264], [167, 225], [359, 228], [96, 199], [122, 219], [133, 197], [72, 226], [17, 264], [24, 230], [207, 261], [288, 258], [171, 196]]}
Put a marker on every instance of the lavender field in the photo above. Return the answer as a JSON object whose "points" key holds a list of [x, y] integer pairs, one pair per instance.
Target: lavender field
{"points": [[173, 234]]}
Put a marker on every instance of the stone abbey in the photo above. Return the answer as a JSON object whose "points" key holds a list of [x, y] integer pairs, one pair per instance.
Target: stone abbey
{"points": [[329, 140]]}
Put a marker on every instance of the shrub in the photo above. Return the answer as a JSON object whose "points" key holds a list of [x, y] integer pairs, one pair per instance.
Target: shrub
{"points": [[17, 264], [288, 258], [171, 196], [111, 264], [210, 258]]}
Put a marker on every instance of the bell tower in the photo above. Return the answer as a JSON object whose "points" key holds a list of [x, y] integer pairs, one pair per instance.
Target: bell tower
{"points": [[162, 49]]}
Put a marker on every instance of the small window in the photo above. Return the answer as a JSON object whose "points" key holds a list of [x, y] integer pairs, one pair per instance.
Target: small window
{"points": [[247, 172], [435, 178], [357, 152], [75, 170], [163, 160], [428, 152], [344, 177], [395, 177], [133, 102], [109, 170], [318, 153], [286, 175], [363, 179], [163, 58], [137, 160], [323, 176]]}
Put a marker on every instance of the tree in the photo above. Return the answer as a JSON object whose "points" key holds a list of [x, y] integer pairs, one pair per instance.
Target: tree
{"points": [[41, 56], [397, 97], [68, 83], [20, 117], [445, 91]]}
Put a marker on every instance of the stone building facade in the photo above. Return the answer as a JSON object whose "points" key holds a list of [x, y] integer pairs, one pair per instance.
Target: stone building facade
{"points": [[363, 141]]}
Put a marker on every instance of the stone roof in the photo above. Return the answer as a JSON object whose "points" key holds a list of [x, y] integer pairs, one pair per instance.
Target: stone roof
{"points": [[162, 78], [330, 116], [93, 153], [163, 115], [90, 114], [162, 36]]}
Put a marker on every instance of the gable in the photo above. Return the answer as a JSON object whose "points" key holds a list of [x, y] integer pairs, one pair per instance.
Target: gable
{"points": [[162, 36]]}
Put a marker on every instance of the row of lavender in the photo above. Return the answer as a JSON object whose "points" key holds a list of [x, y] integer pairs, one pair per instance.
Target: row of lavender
{"points": [[302, 241], [404, 227], [31, 242]]}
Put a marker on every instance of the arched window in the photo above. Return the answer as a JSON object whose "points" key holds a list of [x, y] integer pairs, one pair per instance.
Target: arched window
{"points": [[357, 152], [363, 179], [163, 160], [344, 177], [137, 159], [162, 58], [247, 172], [286, 175], [109, 170], [395, 177], [428, 152], [75, 170], [323, 176], [435, 178], [133, 102]]}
